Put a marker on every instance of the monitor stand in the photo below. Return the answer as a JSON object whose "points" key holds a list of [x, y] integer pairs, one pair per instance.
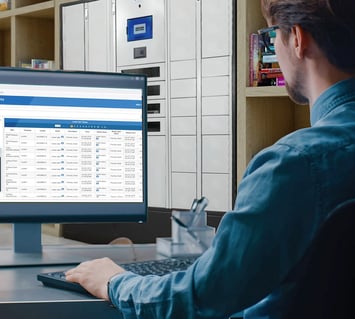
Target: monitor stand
{"points": [[28, 249], [27, 238]]}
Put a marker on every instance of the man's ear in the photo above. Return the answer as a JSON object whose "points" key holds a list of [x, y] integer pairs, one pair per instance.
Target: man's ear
{"points": [[300, 40]]}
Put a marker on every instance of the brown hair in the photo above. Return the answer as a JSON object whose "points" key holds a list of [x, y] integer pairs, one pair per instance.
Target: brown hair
{"points": [[330, 22]]}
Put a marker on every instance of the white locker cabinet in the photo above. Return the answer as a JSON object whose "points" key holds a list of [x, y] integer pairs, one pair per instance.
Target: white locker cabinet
{"points": [[200, 99], [88, 36], [145, 53], [183, 48], [188, 61]]}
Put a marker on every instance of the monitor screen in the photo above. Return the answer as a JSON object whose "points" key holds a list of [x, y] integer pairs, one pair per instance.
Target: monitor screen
{"points": [[73, 146]]}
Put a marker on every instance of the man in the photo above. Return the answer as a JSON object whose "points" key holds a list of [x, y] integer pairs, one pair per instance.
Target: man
{"points": [[285, 195]]}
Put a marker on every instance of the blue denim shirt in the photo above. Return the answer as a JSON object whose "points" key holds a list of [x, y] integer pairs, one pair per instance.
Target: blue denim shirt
{"points": [[283, 198]]}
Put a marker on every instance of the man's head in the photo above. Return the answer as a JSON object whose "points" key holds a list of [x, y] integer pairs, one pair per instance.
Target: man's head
{"points": [[329, 23]]}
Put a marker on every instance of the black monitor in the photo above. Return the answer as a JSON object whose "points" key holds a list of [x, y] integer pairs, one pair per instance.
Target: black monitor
{"points": [[73, 148]]}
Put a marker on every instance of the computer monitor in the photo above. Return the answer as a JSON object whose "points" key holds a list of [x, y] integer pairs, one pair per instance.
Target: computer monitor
{"points": [[73, 148]]}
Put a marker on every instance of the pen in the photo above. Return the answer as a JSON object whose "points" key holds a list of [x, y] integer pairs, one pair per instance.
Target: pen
{"points": [[200, 206], [194, 205], [178, 221]]}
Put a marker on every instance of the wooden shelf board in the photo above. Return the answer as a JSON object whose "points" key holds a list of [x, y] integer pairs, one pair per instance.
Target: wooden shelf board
{"points": [[266, 91], [38, 10]]}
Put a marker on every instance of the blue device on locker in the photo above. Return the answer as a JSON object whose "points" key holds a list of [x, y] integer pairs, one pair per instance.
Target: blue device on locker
{"points": [[140, 28]]}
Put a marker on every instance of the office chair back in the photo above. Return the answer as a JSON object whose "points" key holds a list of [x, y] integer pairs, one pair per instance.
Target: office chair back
{"points": [[325, 285]]}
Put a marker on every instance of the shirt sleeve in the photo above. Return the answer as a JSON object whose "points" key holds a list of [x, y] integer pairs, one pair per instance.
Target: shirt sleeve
{"points": [[254, 248]]}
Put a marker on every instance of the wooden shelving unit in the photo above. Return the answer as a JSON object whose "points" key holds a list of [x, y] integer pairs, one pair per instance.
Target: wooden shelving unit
{"points": [[30, 29], [26, 32], [264, 114]]}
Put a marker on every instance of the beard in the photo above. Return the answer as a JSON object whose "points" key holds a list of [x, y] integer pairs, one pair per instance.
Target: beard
{"points": [[295, 88]]}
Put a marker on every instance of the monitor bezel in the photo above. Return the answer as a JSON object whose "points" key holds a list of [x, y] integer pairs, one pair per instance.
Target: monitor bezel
{"points": [[67, 212]]}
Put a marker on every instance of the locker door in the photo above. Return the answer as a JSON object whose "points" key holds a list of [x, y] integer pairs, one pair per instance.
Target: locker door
{"points": [[157, 167], [182, 30], [216, 27], [100, 40], [73, 37]]}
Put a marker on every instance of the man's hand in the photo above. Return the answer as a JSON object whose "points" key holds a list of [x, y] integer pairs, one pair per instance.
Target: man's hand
{"points": [[93, 275]]}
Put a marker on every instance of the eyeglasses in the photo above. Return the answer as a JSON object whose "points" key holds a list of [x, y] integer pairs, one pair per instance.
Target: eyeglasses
{"points": [[268, 36]]}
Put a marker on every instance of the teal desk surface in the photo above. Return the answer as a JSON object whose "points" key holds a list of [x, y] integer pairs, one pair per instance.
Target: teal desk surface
{"points": [[22, 296]]}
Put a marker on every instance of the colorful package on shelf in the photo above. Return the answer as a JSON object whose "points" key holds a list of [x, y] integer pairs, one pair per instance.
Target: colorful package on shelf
{"points": [[264, 69], [41, 64], [280, 81], [254, 59]]}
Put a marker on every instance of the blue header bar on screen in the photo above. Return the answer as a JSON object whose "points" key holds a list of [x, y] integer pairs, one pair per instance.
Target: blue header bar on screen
{"points": [[73, 124], [70, 101]]}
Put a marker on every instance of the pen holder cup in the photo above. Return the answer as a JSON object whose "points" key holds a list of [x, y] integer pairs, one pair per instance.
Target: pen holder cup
{"points": [[187, 218], [190, 235]]}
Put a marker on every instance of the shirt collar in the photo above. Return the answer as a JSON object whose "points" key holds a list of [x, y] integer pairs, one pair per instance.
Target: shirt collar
{"points": [[336, 95]]}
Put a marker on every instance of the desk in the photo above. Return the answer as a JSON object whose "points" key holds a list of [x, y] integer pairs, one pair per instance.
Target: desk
{"points": [[22, 296]]}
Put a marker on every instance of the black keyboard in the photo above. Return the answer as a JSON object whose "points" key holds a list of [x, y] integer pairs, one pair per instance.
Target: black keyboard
{"points": [[158, 267]]}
